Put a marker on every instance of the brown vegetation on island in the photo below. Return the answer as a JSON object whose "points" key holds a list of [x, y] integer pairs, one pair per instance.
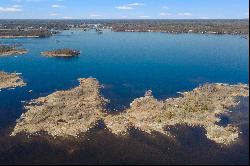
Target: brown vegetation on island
{"points": [[10, 80], [64, 113], [75, 111]]}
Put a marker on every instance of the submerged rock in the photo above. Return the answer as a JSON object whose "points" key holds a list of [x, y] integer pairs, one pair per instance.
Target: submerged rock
{"points": [[61, 53], [10, 80], [69, 113]]}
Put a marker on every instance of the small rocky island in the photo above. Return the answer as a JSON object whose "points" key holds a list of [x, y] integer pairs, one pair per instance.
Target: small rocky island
{"points": [[75, 111], [10, 80], [65, 52], [7, 50]]}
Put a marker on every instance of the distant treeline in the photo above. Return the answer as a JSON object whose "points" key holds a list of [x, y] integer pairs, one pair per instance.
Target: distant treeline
{"points": [[24, 33], [233, 27], [44, 28]]}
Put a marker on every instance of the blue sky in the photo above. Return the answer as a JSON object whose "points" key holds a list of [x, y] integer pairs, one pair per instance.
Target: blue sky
{"points": [[123, 9]]}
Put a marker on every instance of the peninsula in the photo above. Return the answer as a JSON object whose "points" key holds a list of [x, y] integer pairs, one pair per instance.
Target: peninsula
{"points": [[75, 111], [10, 80], [65, 52]]}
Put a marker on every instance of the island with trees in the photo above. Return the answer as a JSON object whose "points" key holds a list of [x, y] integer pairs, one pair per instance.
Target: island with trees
{"points": [[65, 52], [8, 50]]}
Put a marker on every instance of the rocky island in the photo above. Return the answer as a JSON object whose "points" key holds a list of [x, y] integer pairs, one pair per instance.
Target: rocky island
{"points": [[65, 52], [64, 113], [199, 107], [6, 50], [75, 111], [10, 80]]}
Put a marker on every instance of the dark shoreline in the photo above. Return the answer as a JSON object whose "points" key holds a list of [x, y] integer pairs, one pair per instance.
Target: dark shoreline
{"points": [[99, 146]]}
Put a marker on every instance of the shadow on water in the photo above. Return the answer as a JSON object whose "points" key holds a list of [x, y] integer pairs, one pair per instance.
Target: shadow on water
{"points": [[188, 146], [73, 58]]}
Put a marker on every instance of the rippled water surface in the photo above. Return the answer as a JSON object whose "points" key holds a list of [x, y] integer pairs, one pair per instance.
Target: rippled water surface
{"points": [[127, 64]]}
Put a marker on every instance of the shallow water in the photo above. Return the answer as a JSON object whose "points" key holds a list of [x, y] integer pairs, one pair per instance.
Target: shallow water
{"points": [[127, 64]]}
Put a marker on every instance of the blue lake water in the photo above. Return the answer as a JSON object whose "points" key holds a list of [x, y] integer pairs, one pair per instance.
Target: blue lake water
{"points": [[127, 64]]}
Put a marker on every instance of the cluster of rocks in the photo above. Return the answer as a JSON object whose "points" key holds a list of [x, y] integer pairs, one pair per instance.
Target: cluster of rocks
{"points": [[10, 80], [75, 111]]}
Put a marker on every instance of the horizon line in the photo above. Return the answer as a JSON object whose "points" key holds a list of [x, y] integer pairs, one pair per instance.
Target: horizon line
{"points": [[123, 19]]}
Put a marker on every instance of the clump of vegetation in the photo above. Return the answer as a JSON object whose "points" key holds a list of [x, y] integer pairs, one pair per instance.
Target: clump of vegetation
{"points": [[199, 107]]}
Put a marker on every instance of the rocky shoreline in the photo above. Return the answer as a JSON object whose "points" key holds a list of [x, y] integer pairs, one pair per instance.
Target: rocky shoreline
{"points": [[61, 53], [75, 111], [10, 80]]}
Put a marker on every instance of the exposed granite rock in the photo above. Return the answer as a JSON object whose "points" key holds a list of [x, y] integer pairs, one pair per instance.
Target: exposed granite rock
{"points": [[10, 80], [69, 113], [61, 53]]}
